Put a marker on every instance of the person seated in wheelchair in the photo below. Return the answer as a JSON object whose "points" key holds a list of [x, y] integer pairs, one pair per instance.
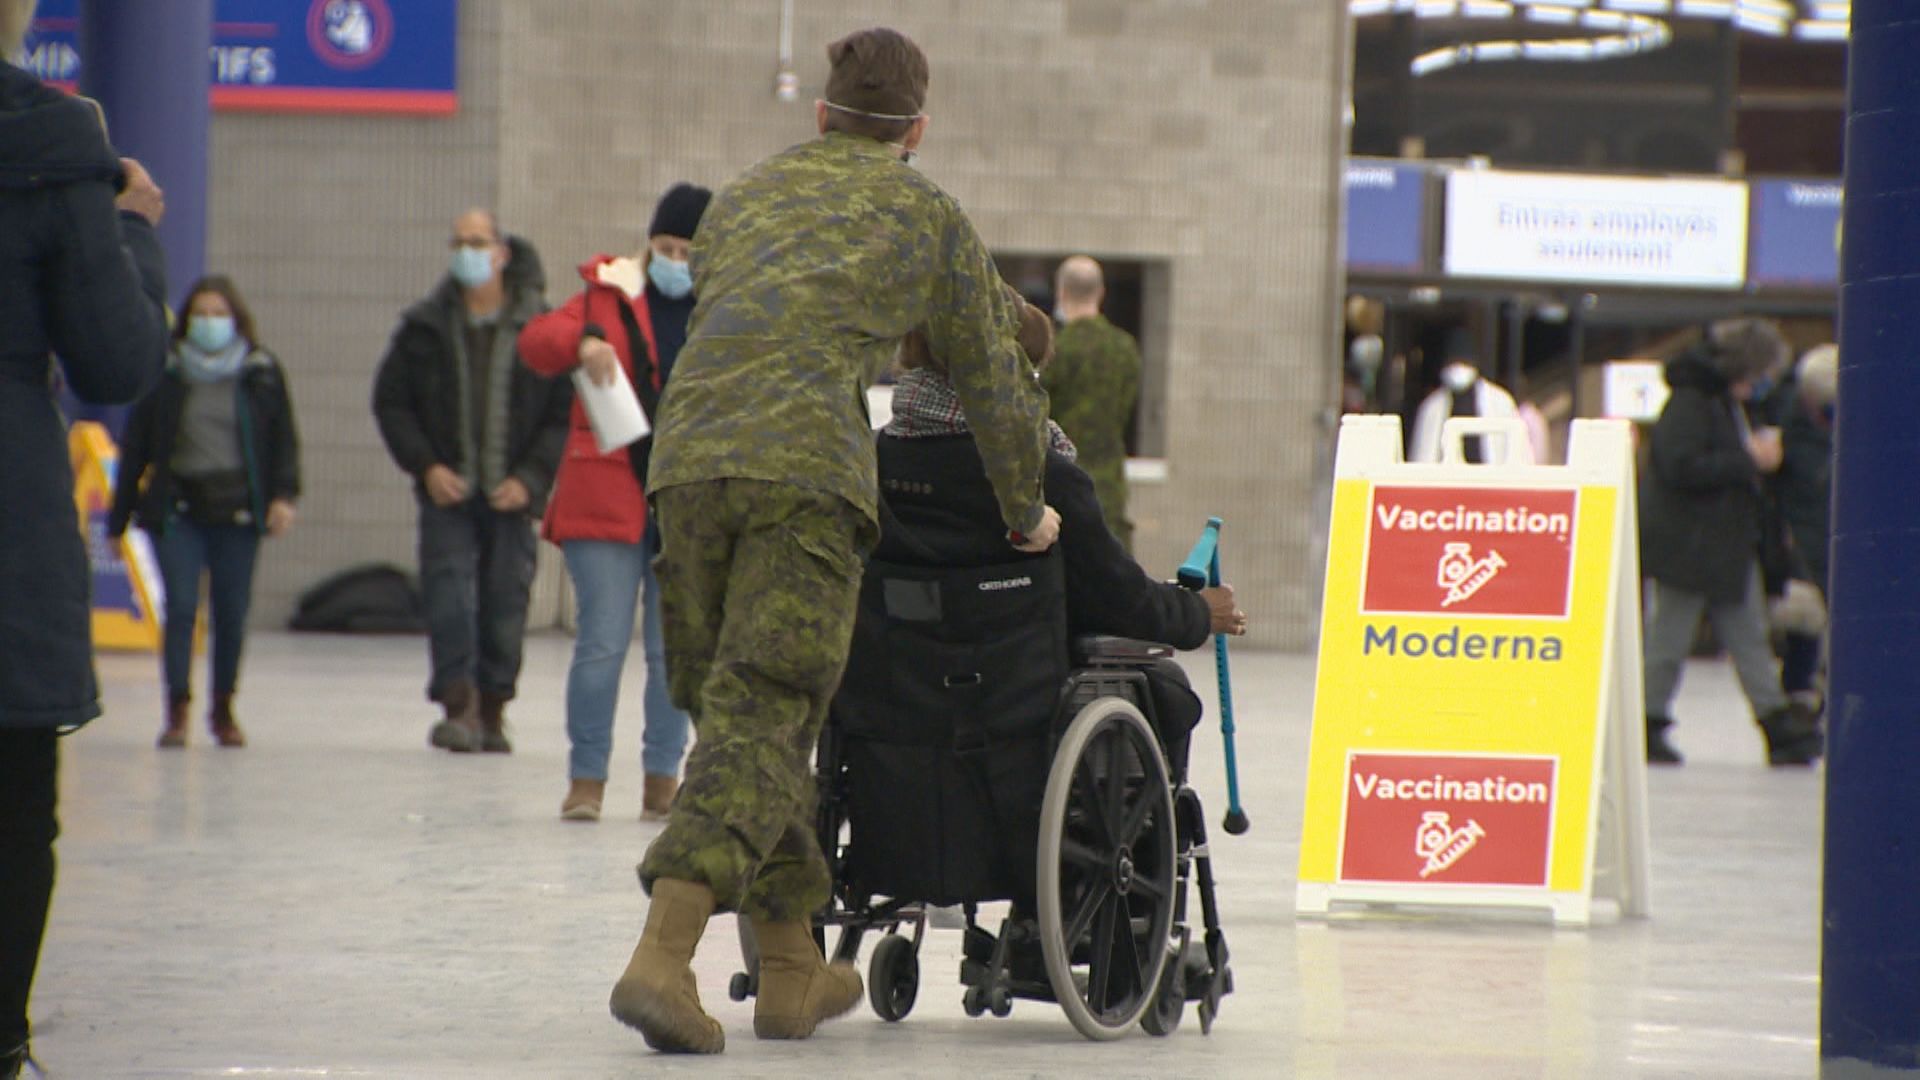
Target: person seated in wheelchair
{"points": [[943, 513]]}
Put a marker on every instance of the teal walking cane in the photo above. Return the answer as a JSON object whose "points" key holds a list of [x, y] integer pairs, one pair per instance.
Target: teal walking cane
{"points": [[1202, 569]]}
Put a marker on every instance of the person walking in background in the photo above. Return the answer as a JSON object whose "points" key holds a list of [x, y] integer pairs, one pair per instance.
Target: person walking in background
{"points": [[1092, 385], [598, 514], [1803, 492], [210, 462], [1463, 391], [810, 267], [82, 278], [482, 436], [1700, 520]]}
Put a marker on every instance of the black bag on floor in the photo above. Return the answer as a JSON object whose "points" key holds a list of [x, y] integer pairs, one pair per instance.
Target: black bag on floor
{"points": [[377, 598]]}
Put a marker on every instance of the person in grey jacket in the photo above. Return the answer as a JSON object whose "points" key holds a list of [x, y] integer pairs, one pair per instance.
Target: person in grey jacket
{"points": [[82, 290]]}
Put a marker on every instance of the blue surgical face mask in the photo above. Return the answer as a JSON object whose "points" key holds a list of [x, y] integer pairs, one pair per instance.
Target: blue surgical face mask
{"points": [[672, 277], [472, 267], [210, 333]]}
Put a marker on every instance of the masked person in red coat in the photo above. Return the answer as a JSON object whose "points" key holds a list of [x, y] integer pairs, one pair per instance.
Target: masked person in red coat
{"points": [[631, 317]]}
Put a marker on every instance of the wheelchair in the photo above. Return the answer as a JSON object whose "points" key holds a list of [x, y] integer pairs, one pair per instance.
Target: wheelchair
{"points": [[973, 754]]}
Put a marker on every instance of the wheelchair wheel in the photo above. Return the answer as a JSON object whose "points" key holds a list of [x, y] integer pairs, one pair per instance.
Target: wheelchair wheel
{"points": [[1106, 869], [893, 979]]}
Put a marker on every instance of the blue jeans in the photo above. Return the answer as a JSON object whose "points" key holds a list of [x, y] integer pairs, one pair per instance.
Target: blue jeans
{"points": [[606, 578], [225, 553]]}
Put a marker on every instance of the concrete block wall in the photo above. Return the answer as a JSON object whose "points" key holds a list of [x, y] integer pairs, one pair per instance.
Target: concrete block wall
{"points": [[1204, 133], [1200, 133]]}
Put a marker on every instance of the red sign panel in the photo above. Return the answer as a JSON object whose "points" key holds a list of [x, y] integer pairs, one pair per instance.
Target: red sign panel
{"points": [[1441, 820], [1469, 551]]}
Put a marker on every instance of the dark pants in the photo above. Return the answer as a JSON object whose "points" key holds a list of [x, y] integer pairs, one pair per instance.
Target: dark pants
{"points": [[476, 569], [29, 771], [226, 554]]}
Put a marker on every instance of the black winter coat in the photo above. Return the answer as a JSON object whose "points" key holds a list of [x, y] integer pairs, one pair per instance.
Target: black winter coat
{"points": [[81, 280], [414, 394], [144, 485], [939, 494], [1700, 505]]}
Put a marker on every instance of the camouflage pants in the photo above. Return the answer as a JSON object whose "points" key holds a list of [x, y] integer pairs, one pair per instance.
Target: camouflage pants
{"points": [[758, 585], [1110, 487]]}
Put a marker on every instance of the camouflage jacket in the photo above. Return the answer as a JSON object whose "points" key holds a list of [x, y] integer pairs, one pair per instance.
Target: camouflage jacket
{"points": [[1092, 384], [810, 268]]}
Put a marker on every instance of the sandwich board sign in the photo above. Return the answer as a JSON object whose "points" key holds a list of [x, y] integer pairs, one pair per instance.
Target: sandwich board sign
{"points": [[127, 596], [1477, 737]]}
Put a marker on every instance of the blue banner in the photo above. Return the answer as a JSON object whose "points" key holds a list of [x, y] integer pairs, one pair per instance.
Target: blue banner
{"points": [[1794, 242], [318, 56], [1386, 217]]}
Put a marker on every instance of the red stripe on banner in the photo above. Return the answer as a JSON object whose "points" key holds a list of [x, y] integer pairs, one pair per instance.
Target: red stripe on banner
{"points": [[247, 29], [289, 99]]}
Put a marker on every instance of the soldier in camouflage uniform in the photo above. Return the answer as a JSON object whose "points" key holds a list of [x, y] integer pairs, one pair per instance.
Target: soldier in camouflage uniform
{"points": [[1092, 384], [810, 268]]}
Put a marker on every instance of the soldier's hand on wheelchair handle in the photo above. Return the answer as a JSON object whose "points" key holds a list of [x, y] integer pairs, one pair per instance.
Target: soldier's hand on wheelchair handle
{"points": [[1225, 616], [1043, 536]]}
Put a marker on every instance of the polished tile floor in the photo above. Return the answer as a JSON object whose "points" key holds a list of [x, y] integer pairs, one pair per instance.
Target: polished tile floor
{"points": [[340, 901]]}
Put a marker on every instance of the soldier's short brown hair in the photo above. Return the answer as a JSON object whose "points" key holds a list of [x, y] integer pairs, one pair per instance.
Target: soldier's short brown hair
{"points": [[876, 74], [1035, 335]]}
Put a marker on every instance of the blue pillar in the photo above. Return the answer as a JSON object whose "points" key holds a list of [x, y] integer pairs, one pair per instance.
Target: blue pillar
{"points": [[146, 63], [1870, 957]]}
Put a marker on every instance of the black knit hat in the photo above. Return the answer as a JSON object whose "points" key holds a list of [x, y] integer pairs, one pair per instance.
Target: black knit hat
{"points": [[679, 211]]}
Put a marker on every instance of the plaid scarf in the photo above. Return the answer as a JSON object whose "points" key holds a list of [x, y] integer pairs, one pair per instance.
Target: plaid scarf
{"points": [[924, 405]]}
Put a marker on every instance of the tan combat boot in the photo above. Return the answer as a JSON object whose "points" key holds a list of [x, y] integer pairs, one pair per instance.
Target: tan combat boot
{"points": [[798, 988], [583, 800], [657, 994], [656, 798]]}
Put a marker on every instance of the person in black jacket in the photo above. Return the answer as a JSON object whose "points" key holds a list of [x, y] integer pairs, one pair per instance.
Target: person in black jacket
{"points": [[81, 279], [937, 491], [1700, 532], [481, 435], [210, 462]]}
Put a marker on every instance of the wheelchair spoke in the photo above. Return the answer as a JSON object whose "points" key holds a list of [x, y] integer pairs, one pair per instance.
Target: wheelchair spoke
{"points": [[1100, 973], [1091, 903], [1152, 887], [1136, 968], [1081, 855], [1087, 786], [1136, 819], [1117, 747]]}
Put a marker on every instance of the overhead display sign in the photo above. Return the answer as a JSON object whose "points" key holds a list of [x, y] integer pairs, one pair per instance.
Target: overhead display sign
{"points": [[1796, 234], [1476, 716], [1596, 229], [312, 56], [1386, 217]]}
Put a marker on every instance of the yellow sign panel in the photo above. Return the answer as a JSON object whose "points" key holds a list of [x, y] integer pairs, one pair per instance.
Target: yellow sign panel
{"points": [[126, 580], [1467, 676]]}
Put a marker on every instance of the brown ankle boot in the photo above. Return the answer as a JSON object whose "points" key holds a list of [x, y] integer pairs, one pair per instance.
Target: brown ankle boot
{"points": [[583, 800], [493, 723], [798, 988], [174, 735], [656, 798], [226, 731], [657, 994], [459, 730]]}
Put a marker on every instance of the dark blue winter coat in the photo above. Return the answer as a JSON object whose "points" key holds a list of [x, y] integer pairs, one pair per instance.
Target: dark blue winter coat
{"points": [[84, 282]]}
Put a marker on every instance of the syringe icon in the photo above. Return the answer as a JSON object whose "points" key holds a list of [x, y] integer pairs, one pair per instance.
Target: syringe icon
{"points": [[1481, 573], [1459, 842]]}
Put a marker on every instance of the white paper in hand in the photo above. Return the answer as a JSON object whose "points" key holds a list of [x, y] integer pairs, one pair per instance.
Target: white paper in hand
{"points": [[613, 411]]}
